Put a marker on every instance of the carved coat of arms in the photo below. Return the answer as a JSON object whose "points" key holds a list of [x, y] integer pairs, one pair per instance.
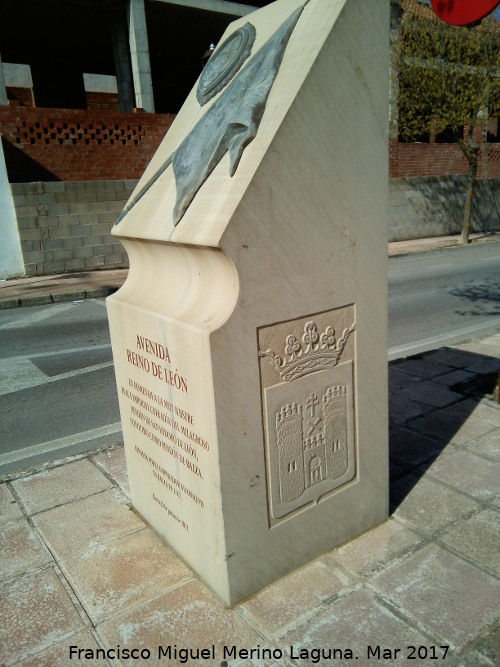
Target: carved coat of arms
{"points": [[309, 421]]}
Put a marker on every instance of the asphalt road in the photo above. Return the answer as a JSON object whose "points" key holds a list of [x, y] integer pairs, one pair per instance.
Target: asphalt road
{"points": [[443, 297], [57, 389]]}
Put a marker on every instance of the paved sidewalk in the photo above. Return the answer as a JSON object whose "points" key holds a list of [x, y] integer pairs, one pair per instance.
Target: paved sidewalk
{"points": [[79, 568], [41, 290]]}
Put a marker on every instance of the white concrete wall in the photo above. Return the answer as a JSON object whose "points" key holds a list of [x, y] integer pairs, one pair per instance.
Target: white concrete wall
{"points": [[427, 206], [17, 76], [11, 258], [3, 92], [139, 54], [99, 83]]}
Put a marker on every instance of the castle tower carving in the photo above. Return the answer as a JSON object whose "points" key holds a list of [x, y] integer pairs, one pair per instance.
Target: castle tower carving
{"points": [[312, 441]]}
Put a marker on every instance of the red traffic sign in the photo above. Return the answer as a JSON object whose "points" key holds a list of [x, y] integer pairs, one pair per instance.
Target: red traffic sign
{"points": [[463, 12]]}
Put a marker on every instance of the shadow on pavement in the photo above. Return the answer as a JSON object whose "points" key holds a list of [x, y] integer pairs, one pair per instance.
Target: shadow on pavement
{"points": [[437, 399]]}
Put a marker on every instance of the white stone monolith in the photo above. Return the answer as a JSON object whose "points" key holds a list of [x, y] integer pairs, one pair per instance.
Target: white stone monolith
{"points": [[249, 339]]}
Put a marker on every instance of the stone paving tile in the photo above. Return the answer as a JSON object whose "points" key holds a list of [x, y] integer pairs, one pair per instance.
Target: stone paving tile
{"points": [[402, 409], [110, 577], [354, 623], [478, 538], [291, 597], [400, 488], [114, 463], [375, 550], [487, 644], [60, 485], [434, 587], [9, 509], [449, 426], [59, 654], [495, 502], [35, 612], [480, 410], [261, 662], [487, 445], [20, 550], [431, 393], [424, 368], [396, 471], [430, 506], [398, 378], [484, 365], [410, 448], [71, 529], [467, 472], [188, 616], [485, 348], [471, 658], [484, 356], [450, 379], [452, 357]]}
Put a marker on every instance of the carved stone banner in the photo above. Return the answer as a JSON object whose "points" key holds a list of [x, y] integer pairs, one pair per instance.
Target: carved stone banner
{"points": [[249, 339]]}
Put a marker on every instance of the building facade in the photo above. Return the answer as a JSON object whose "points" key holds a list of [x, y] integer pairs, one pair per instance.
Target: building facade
{"points": [[88, 93]]}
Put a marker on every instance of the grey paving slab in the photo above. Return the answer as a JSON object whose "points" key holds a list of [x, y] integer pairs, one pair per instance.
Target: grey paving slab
{"points": [[357, 624], [20, 550], [429, 506], [409, 448], [35, 612], [431, 393], [424, 368], [402, 409], [487, 445], [58, 654], [478, 539], [454, 377], [398, 378], [485, 365], [451, 356], [134, 568], [188, 616], [471, 658], [479, 410], [440, 591], [60, 485], [71, 529], [113, 462], [486, 645], [450, 426], [375, 550], [467, 472], [294, 596], [9, 509]]}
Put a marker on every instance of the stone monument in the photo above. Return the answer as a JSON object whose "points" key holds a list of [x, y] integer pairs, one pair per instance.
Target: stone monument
{"points": [[249, 338]]}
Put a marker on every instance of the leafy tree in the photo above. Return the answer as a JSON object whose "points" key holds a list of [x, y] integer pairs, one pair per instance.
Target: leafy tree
{"points": [[448, 78]]}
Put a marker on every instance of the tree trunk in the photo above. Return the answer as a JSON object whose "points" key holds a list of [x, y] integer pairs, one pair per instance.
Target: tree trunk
{"points": [[471, 152], [471, 182]]}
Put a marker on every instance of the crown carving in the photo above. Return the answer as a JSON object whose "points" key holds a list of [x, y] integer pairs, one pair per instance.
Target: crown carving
{"points": [[315, 352]]}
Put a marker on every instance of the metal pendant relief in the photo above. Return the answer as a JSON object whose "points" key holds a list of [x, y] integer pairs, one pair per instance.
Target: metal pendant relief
{"points": [[225, 62]]}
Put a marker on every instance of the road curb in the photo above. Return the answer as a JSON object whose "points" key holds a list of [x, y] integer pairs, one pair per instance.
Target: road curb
{"points": [[46, 299]]}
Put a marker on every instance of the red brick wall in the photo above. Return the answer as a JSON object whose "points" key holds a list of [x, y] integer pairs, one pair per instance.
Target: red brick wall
{"points": [[20, 96], [104, 144], [415, 159], [102, 101], [80, 145]]}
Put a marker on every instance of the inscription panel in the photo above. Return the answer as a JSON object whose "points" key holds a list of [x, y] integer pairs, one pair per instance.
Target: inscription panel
{"points": [[164, 389], [308, 400]]}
